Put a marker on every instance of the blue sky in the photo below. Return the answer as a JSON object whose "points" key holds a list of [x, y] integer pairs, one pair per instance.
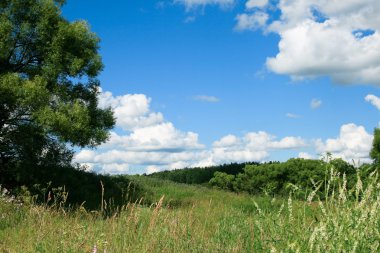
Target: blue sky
{"points": [[201, 82]]}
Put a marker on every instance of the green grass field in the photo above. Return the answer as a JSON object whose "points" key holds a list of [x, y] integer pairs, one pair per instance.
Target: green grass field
{"points": [[198, 219]]}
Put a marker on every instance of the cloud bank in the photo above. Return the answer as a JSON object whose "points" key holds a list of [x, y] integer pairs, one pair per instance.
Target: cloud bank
{"points": [[144, 142]]}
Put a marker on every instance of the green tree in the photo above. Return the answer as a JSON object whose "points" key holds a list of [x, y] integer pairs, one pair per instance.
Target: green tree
{"points": [[222, 180], [375, 151], [48, 86]]}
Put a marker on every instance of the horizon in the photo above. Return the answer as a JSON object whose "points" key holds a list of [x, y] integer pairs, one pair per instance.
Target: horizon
{"points": [[206, 82]]}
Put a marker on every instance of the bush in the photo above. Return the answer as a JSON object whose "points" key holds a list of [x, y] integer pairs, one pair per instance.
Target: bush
{"points": [[82, 188], [222, 180]]}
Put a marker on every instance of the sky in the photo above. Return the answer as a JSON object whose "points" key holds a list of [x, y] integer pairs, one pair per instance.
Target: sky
{"points": [[206, 82]]}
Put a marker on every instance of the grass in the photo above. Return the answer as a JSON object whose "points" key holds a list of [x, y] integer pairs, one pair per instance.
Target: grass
{"points": [[188, 218]]}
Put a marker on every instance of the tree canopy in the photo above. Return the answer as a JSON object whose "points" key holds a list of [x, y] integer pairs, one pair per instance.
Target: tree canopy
{"points": [[48, 85], [375, 151]]}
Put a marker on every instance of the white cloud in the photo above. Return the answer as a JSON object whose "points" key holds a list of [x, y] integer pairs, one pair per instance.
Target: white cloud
{"points": [[292, 115], [315, 103], [152, 169], [160, 159], [115, 168], [146, 139], [84, 156], [227, 141], [305, 155], [251, 21], [254, 146], [375, 101], [250, 4], [132, 110], [339, 39], [288, 143], [205, 98], [162, 136], [189, 4], [352, 144]]}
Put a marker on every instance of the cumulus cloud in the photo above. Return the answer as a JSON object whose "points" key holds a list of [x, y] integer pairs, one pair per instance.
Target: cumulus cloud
{"points": [[146, 139], [204, 98], [152, 169], [253, 146], [339, 39], [162, 136], [315, 103], [227, 141], [132, 110], [375, 101], [288, 143], [251, 21], [250, 4], [353, 144], [305, 155], [141, 158]]}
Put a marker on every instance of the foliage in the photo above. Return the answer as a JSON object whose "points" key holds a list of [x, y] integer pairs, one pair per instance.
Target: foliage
{"points": [[222, 180], [199, 175], [375, 151], [82, 188], [48, 88], [280, 178]]}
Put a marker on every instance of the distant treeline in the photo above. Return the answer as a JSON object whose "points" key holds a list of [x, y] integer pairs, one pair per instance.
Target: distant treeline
{"points": [[200, 175], [298, 174], [276, 178]]}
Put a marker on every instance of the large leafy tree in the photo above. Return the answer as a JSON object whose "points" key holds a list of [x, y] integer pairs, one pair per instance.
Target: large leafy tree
{"points": [[48, 85]]}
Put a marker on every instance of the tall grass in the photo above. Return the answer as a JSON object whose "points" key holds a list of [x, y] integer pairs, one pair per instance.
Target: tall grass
{"points": [[197, 219]]}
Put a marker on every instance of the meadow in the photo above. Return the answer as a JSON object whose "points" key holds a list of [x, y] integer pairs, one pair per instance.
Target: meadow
{"points": [[53, 112], [193, 218]]}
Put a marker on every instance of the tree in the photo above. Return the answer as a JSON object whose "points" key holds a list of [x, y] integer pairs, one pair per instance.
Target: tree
{"points": [[375, 151], [222, 180], [48, 85]]}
